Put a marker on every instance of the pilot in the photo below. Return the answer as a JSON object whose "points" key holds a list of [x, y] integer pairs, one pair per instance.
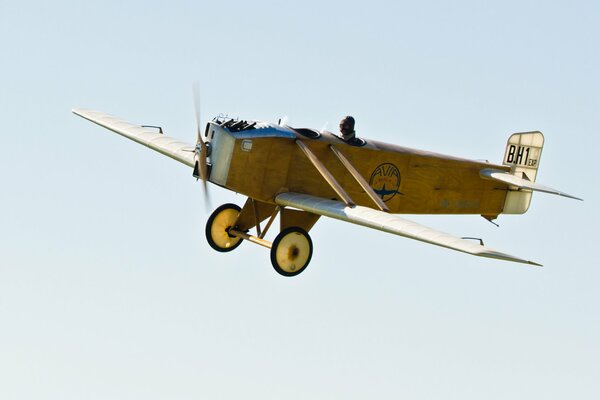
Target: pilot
{"points": [[347, 129]]}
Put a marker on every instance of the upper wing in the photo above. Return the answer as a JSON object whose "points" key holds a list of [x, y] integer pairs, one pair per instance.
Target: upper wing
{"points": [[389, 223], [507, 177], [177, 150]]}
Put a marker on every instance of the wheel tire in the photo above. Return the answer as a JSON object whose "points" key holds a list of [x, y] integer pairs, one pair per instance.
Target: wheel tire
{"points": [[291, 251], [218, 225]]}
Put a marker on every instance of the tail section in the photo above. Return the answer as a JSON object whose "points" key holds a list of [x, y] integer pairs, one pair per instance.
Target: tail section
{"points": [[522, 155]]}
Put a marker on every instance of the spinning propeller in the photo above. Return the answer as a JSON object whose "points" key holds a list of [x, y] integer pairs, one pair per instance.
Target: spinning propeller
{"points": [[201, 150]]}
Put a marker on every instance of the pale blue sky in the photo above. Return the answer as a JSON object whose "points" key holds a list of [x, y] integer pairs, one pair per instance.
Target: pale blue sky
{"points": [[108, 288]]}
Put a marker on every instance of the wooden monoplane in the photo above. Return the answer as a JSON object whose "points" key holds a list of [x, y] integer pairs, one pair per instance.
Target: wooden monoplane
{"points": [[302, 174]]}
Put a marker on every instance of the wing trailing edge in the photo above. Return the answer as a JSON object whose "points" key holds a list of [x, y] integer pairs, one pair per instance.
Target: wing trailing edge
{"points": [[177, 150], [391, 224]]}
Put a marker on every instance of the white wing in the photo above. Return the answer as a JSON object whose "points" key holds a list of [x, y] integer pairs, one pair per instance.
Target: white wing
{"points": [[389, 223], [177, 150]]}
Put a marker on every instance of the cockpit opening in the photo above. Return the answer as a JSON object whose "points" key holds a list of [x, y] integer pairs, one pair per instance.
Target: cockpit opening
{"points": [[306, 132]]}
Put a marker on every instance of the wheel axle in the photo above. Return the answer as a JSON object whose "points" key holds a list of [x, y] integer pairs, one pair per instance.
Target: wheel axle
{"points": [[251, 238]]}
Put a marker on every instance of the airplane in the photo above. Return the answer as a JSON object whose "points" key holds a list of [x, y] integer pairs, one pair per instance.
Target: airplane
{"points": [[302, 174]]}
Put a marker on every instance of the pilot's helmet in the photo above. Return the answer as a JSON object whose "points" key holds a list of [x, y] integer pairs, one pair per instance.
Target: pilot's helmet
{"points": [[347, 127]]}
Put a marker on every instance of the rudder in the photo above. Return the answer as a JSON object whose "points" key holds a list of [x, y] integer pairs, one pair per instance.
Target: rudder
{"points": [[522, 154]]}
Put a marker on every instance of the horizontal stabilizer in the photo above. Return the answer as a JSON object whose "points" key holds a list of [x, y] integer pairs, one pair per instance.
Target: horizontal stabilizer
{"points": [[521, 183], [177, 150], [389, 223]]}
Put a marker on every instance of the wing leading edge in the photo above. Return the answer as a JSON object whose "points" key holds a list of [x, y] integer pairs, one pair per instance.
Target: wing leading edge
{"points": [[390, 223], [177, 150]]}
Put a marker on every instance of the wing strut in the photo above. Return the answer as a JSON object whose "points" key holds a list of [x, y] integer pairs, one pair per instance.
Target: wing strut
{"points": [[326, 174], [361, 181]]}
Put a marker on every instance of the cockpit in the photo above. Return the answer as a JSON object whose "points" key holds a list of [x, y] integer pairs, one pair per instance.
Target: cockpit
{"points": [[244, 128]]}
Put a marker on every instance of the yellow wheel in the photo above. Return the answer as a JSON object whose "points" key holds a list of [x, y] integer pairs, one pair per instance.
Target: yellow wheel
{"points": [[291, 251], [218, 225]]}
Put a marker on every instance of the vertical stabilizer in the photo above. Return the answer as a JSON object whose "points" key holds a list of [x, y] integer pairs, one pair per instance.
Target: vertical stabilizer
{"points": [[523, 153]]}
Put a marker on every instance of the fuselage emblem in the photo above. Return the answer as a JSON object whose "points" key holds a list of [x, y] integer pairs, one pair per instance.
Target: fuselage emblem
{"points": [[385, 181]]}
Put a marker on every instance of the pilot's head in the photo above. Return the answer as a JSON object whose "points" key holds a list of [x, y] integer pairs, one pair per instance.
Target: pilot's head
{"points": [[347, 128]]}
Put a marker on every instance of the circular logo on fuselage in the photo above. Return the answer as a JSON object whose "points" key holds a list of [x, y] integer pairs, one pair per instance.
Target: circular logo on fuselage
{"points": [[385, 181]]}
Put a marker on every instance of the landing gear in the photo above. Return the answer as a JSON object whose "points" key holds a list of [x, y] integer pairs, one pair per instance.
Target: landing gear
{"points": [[292, 248], [291, 251], [218, 226]]}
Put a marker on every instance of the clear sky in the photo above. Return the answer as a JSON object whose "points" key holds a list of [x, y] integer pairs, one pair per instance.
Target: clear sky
{"points": [[108, 288]]}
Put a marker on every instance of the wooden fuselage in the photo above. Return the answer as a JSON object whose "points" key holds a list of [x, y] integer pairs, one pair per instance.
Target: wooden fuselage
{"points": [[261, 166]]}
